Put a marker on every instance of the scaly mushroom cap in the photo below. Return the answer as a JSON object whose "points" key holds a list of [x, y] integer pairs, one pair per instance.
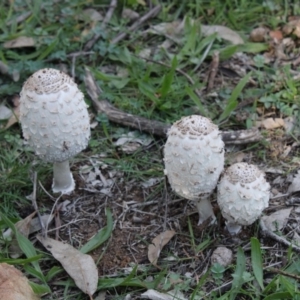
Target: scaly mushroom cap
{"points": [[243, 193], [193, 156], [54, 116]]}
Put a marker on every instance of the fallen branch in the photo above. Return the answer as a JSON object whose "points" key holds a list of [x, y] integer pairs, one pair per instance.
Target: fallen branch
{"points": [[91, 43], [150, 14], [150, 126], [276, 237], [213, 71]]}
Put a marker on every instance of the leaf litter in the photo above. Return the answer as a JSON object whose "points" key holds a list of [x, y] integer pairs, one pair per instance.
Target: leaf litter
{"points": [[81, 267]]}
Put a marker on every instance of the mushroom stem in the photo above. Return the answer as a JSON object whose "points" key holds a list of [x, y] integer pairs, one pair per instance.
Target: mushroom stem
{"points": [[205, 210], [63, 181], [233, 228]]}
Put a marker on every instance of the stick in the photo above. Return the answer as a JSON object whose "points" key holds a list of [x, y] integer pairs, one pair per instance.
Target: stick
{"points": [[213, 71], [276, 237], [150, 126], [34, 204], [151, 13], [91, 43]]}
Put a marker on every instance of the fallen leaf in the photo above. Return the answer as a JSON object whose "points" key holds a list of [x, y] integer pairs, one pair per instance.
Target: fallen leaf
{"points": [[20, 42], [132, 141], [16, 113], [175, 30], [223, 32], [258, 35], [81, 267], [276, 35], [155, 295], [14, 285], [91, 14], [157, 244], [292, 27], [23, 226], [272, 123], [130, 14], [295, 184], [5, 112], [277, 220]]}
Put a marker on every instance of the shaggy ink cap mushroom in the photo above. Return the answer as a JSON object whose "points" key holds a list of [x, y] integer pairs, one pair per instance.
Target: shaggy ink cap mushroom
{"points": [[243, 193], [194, 160], [55, 122]]}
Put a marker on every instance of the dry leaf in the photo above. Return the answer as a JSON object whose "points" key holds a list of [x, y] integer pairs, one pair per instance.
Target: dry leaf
{"points": [[292, 27], [155, 295], [5, 112], [278, 219], [130, 14], [14, 285], [23, 226], [157, 244], [16, 113], [295, 185], [276, 35], [223, 32], [272, 123], [81, 267], [258, 35], [20, 42]]}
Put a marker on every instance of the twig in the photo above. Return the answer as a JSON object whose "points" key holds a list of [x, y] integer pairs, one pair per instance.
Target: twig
{"points": [[213, 71], [280, 272], [150, 126], [34, 204], [275, 237], [54, 206], [151, 13], [91, 43]]}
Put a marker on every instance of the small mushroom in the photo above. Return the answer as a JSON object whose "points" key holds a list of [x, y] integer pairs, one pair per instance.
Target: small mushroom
{"points": [[55, 122], [194, 160], [243, 193]]}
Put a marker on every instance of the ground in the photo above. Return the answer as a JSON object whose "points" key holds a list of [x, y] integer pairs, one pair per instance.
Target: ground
{"points": [[141, 67]]}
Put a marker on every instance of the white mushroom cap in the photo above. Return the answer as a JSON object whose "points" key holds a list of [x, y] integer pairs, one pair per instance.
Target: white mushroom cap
{"points": [[55, 122], [243, 193], [194, 158], [54, 116]]}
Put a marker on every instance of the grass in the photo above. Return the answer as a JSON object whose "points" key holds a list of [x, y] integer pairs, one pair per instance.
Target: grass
{"points": [[153, 87]]}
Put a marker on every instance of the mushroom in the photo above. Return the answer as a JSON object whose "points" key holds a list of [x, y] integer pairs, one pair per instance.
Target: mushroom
{"points": [[194, 160], [55, 122], [243, 193]]}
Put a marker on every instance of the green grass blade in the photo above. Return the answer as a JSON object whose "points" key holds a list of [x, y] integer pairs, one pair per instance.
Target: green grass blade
{"points": [[24, 244], [238, 274], [279, 295], [196, 100], [168, 79], [39, 289], [256, 260], [232, 101], [101, 236]]}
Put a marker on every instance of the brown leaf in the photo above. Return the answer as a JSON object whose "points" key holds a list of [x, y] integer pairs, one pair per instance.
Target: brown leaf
{"points": [[258, 34], [81, 267], [16, 114], [272, 123], [20, 42], [278, 219], [157, 244], [223, 32], [23, 226], [13, 285]]}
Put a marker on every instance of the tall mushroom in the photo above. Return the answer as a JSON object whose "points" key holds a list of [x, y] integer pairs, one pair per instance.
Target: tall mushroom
{"points": [[194, 160], [55, 122], [243, 193]]}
